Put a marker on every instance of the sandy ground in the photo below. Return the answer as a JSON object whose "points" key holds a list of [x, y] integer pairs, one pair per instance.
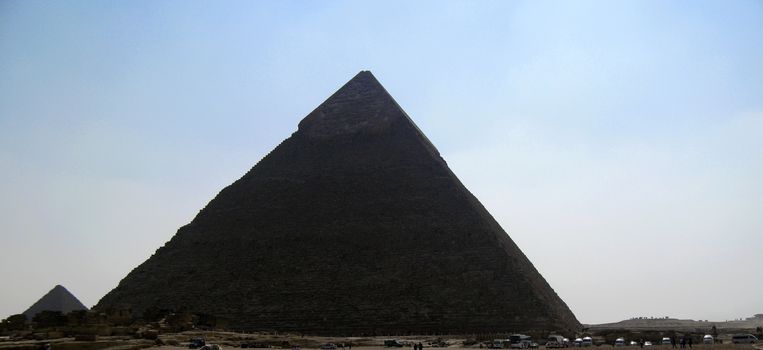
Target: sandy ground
{"points": [[231, 341], [603, 347]]}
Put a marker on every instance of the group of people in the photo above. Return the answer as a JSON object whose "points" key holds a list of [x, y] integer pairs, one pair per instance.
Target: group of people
{"points": [[684, 341], [418, 346]]}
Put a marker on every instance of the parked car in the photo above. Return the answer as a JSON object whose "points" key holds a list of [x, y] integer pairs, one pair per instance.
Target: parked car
{"points": [[666, 341], [196, 343], [647, 343], [633, 343], [578, 342], [708, 339], [620, 342], [394, 343], [744, 339]]}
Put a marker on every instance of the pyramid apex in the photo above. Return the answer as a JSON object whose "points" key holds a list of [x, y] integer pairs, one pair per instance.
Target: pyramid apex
{"points": [[363, 77], [366, 73], [361, 105]]}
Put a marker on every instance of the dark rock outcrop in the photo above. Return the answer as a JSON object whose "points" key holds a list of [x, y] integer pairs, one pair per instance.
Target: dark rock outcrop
{"points": [[57, 299], [353, 225]]}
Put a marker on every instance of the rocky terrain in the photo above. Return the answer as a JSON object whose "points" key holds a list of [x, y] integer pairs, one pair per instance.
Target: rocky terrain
{"points": [[679, 324]]}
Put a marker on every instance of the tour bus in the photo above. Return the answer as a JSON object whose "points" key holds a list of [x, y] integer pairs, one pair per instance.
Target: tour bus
{"points": [[520, 341]]}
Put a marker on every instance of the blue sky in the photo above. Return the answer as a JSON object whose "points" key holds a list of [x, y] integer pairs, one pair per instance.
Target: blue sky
{"points": [[618, 142]]}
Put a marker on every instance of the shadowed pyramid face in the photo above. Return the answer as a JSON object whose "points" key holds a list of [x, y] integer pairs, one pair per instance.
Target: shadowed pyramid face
{"points": [[353, 225]]}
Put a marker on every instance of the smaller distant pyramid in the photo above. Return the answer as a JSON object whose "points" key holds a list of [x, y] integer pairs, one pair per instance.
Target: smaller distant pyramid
{"points": [[58, 299]]}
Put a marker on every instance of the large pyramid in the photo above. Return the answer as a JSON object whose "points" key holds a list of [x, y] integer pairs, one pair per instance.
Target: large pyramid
{"points": [[353, 225], [57, 299]]}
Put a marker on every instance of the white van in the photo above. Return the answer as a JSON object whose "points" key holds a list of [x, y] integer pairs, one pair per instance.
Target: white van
{"points": [[620, 342], [555, 341], [744, 339], [587, 341], [708, 339]]}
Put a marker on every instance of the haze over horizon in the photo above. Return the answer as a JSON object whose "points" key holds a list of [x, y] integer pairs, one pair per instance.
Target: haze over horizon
{"points": [[618, 143]]}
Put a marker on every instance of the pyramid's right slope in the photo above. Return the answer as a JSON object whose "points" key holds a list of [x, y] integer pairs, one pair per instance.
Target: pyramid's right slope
{"points": [[353, 225]]}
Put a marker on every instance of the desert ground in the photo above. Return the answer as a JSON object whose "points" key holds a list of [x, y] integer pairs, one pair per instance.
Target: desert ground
{"points": [[230, 340]]}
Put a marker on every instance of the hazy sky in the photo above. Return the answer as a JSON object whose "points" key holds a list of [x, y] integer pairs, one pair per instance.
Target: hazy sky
{"points": [[618, 142]]}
